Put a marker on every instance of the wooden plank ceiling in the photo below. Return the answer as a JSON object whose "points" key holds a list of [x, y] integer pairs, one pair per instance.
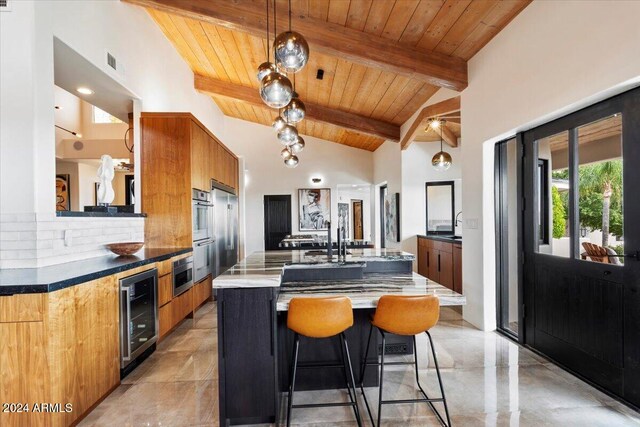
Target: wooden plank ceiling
{"points": [[457, 28]]}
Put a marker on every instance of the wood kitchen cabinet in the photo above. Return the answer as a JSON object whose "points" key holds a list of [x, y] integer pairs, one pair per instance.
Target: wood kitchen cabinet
{"points": [[178, 154], [441, 262]]}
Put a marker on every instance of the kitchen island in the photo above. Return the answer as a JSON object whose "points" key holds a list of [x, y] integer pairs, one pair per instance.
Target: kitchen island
{"points": [[254, 344]]}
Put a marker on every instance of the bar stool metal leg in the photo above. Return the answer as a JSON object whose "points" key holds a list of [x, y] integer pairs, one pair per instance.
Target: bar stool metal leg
{"points": [[381, 376], [353, 397], [435, 362], [362, 371], [296, 347]]}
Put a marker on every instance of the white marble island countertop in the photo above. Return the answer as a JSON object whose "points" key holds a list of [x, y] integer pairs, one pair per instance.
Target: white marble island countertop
{"points": [[264, 269]]}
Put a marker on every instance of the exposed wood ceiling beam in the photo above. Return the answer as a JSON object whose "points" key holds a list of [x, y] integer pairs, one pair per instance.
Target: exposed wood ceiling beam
{"points": [[448, 136], [435, 110], [327, 38], [316, 113]]}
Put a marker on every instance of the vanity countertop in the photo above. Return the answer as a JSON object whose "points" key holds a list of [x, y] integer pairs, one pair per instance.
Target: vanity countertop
{"points": [[443, 238]]}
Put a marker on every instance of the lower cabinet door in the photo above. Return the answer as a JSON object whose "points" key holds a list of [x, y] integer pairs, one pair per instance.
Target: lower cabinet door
{"points": [[247, 356], [432, 265], [445, 264]]}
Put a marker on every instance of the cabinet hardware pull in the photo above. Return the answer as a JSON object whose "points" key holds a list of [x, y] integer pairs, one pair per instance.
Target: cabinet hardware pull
{"points": [[428, 259], [438, 262]]}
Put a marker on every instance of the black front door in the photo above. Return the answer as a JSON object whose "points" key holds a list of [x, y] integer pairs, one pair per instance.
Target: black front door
{"points": [[581, 227], [277, 220]]}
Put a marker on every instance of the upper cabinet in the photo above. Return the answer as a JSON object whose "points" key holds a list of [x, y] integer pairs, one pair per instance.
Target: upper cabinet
{"points": [[178, 154], [200, 158]]}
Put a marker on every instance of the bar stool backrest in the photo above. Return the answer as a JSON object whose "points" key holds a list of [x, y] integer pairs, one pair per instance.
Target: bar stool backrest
{"points": [[407, 315], [320, 317]]}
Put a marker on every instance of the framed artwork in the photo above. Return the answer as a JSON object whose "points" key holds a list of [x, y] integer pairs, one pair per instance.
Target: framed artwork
{"points": [[392, 217], [314, 208], [343, 218], [63, 199]]}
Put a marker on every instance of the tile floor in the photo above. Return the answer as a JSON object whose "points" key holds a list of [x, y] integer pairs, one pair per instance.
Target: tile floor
{"points": [[489, 381]]}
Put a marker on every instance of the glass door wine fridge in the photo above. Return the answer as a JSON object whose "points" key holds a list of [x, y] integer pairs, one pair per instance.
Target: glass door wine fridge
{"points": [[138, 318]]}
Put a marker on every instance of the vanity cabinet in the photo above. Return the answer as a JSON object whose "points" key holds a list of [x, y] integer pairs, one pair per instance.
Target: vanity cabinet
{"points": [[441, 261]]}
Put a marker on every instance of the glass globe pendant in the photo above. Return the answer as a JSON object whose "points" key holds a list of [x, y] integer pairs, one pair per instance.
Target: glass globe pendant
{"points": [[295, 111], [285, 153], [288, 135], [292, 161], [276, 90], [278, 123], [265, 69], [297, 146], [291, 51], [442, 160]]}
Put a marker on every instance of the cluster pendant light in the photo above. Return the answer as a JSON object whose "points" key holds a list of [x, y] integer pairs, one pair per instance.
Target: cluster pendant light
{"points": [[291, 54]]}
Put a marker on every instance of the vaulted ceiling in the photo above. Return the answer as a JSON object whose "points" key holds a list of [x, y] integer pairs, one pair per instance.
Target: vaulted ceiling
{"points": [[382, 59]]}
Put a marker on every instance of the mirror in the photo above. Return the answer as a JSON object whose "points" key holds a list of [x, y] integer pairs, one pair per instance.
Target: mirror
{"points": [[440, 207]]}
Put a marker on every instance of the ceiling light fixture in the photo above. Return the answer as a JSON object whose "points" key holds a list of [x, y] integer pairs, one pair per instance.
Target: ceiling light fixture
{"points": [[434, 124], [297, 146], [85, 90], [292, 161], [275, 88], [278, 123], [78, 134], [290, 49], [295, 111], [288, 135], [441, 161]]}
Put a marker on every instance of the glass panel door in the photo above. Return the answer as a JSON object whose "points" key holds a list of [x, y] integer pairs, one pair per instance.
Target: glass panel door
{"points": [[581, 289], [507, 198]]}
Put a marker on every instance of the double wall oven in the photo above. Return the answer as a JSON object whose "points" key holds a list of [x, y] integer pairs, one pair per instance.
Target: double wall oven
{"points": [[203, 234]]}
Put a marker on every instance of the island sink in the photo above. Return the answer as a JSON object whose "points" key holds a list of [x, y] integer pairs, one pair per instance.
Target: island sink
{"points": [[311, 272]]}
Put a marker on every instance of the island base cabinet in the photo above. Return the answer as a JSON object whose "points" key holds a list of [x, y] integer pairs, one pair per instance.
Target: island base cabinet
{"points": [[246, 356]]}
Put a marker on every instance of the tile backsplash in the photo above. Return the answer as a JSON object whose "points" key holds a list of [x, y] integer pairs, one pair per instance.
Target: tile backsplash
{"points": [[37, 240]]}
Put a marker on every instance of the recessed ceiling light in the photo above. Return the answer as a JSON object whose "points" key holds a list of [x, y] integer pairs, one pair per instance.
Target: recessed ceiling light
{"points": [[85, 91]]}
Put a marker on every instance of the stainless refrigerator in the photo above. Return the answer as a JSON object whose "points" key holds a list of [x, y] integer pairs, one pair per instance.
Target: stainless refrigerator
{"points": [[225, 252]]}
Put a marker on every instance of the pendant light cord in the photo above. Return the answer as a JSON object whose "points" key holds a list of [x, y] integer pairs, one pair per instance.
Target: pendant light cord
{"points": [[289, 15], [268, 50]]}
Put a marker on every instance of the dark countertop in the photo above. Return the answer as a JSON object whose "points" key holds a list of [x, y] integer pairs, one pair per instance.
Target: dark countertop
{"points": [[100, 214], [447, 239], [60, 276]]}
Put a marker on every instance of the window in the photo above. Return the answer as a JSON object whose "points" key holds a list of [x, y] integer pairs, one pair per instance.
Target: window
{"points": [[100, 116], [543, 201]]}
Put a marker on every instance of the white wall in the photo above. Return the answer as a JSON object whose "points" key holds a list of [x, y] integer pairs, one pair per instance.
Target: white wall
{"points": [[266, 174], [416, 171], [387, 169], [553, 58]]}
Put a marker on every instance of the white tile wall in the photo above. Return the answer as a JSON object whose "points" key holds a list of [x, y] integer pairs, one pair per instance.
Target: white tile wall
{"points": [[38, 240]]}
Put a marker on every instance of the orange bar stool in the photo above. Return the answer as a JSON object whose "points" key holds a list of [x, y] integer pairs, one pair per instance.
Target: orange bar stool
{"points": [[406, 315], [322, 318]]}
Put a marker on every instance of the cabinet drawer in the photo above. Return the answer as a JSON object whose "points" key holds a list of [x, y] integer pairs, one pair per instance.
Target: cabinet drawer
{"points": [[442, 246], [164, 267], [21, 308], [165, 289], [201, 292], [182, 306]]}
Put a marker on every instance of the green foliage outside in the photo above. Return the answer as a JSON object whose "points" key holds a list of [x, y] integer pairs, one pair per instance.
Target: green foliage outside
{"points": [[600, 201], [559, 214]]}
